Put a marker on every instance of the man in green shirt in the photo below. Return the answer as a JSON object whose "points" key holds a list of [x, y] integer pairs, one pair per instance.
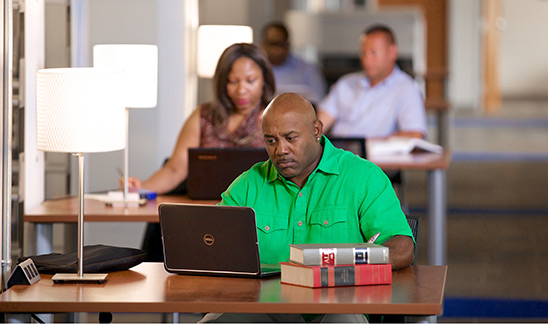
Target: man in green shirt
{"points": [[311, 192]]}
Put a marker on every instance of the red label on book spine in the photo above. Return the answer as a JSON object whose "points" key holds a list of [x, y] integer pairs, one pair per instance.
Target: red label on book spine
{"points": [[328, 256]]}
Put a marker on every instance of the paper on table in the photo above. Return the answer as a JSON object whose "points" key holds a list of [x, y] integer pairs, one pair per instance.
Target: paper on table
{"points": [[400, 145], [116, 198]]}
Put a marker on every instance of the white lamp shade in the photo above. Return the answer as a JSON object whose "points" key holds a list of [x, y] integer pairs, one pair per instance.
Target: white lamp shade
{"points": [[213, 40], [79, 110], [140, 65]]}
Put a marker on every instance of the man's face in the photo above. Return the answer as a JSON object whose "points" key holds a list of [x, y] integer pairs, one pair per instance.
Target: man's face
{"points": [[290, 142], [275, 46], [378, 57]]}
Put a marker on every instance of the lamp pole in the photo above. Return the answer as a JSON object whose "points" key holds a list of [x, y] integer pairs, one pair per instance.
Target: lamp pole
{"points": [[81, 163]]}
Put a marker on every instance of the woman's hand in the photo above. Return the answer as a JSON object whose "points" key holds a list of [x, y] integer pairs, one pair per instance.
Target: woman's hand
{"points": [[132, 183]]}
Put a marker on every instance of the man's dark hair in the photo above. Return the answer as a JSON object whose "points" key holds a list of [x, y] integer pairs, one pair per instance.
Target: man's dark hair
{"points": [[378, 28], [277, 25]]}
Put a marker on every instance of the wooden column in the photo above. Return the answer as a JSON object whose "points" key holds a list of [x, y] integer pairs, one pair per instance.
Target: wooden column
{"points": [[490, 58], [435, 13]]}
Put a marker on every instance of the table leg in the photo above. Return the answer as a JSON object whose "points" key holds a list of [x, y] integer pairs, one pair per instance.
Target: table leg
{"points": [[437, 216], [443, 122], [44, 238]]}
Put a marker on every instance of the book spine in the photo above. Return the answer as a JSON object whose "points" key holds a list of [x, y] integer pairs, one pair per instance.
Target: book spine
{"points": [[334, 256], [358, 275]]}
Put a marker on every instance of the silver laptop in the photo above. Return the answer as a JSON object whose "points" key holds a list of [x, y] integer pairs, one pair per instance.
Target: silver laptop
{"points": [[211, 240]]}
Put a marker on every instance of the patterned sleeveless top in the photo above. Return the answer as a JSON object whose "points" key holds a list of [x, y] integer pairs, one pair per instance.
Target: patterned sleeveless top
{"points": [[247, 135]]}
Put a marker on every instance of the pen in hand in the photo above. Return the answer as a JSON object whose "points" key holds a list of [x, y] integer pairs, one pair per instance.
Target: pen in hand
{"points": [[374, 238]]}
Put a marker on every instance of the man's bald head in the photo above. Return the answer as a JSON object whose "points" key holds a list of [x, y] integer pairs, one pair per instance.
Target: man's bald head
{"points": [[291, 103], [292, 136]]}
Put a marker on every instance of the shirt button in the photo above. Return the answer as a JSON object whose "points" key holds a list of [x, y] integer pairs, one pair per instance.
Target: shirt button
{"points": [[300, 223], [325, 222], [300, 194], [267, 228]]}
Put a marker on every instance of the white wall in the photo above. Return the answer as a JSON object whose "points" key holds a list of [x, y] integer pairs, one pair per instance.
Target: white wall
{"points": [[123, 22], [34, 59], [523, 65], [152, 132], [523, 48], [223, 12], [464, 81]]}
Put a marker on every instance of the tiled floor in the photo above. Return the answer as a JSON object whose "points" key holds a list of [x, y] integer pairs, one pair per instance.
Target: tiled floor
{"points": [[498, 206]]}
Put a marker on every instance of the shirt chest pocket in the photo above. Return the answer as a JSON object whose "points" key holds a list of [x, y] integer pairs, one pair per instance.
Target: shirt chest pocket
{"points": [[330, 225], [329, 217], [273, 237], [270, 223]]}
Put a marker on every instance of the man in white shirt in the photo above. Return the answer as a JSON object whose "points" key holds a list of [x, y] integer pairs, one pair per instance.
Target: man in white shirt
{"points": [[292, 73], [379, 101]]}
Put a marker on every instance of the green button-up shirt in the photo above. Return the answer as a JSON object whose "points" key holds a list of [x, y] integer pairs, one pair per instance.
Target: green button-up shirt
{"points": [[346, 199]]}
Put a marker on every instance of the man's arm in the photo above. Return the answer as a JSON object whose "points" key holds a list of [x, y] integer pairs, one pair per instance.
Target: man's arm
{"points": [[409, 134], [326, 119], [401, 251], [412, 117]]}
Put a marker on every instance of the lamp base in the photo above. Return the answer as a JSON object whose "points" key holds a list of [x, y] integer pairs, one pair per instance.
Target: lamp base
{"points": [[75, 278]]}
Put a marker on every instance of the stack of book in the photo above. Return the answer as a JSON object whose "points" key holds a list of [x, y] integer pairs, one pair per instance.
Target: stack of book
{"points": [[332, 265]]}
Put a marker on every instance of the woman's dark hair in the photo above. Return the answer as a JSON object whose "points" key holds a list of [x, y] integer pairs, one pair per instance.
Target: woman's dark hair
{"points": [[222, 104]]}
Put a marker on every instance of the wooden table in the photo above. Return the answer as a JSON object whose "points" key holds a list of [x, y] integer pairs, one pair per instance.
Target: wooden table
{"points": [[148, 288], [65, 210]]}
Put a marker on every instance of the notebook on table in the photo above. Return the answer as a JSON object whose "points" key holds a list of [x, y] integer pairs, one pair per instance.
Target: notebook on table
{"points": [[211, 240], [212, 170]]}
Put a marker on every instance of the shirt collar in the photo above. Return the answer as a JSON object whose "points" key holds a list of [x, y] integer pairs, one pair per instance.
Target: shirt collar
{"points": [[328, 163], [364, 82]]}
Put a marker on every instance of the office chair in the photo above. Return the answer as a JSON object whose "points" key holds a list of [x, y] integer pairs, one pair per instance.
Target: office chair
{"points": [[152, 239], [414, 223]]}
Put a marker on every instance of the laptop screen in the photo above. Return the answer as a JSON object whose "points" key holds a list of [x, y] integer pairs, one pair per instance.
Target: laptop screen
{"points": [[212, 170], [209, 239]]}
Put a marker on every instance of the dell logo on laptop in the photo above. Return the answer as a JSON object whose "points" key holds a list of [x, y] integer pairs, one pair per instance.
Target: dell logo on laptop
{"points": [[209, 239]]}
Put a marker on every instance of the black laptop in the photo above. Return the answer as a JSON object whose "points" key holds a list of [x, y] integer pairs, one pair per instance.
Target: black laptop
{"points": [[211, 240], [212, 170], [356, 145]]}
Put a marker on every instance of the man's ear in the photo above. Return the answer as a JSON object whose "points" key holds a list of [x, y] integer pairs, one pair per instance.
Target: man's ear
{"points": [[318, 128], [393, 52]]}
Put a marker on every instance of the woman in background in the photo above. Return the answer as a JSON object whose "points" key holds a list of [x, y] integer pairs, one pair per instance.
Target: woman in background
{"points": [[243, 85]]}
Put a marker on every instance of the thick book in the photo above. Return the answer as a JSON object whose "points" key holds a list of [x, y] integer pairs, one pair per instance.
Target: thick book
{"points": [[338, 254], [401, 145], [336, 276]]}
